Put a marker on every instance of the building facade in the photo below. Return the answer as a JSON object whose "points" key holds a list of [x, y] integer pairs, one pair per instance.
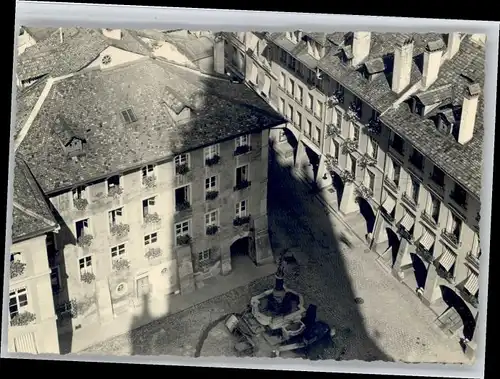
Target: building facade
{"points": [[379, 117], [158, 192], [32, 327]]}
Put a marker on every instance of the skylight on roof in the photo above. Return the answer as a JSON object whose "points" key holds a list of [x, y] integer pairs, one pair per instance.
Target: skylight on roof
{"points": [[129, 116]]}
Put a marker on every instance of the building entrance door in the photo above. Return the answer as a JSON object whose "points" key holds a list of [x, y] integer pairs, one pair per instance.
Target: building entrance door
{"points": [[143, 287]]}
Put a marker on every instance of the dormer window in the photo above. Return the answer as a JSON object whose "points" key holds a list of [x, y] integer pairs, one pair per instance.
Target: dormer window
{"points": [[113, 185], [129, 116], [293, 36], [459, 195]]}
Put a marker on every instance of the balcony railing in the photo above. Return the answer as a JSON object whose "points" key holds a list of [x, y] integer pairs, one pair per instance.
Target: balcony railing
{"points": [[242, 184], [451, 238], [182, 206], [405, 233], [388, 217], [243, 220], [428, 218], [446, 275], [472, 300], [181, 169], [243, 149], [391, 184], [409, 200], [473, 260], [426, 255]]}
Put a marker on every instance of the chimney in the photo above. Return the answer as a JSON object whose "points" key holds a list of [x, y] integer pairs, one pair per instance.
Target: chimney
{"points": [[360, 47], [432, 62], [403, 61], [469, 112], [219, 64], [61, 38], [452, 44]]}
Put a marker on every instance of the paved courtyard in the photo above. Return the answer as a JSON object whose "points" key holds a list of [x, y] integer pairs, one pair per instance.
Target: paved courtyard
{"points": [[375, 317]]}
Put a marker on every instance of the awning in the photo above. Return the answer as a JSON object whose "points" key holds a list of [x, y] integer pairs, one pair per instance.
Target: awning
{"points": [[407, 221], [389, 204], [427, 240], [447, 259], [472, 284], [267, 86], [26, 344]]}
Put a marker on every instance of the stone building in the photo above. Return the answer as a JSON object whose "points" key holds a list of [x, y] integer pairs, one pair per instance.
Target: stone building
{"points": [[32, 319], [393, 124], [157, 175]]}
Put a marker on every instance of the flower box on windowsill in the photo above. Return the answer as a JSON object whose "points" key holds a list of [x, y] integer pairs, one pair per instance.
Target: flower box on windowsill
{"points": [[119, 230], [80, 204], [121, 264], [185, 205], [212, 161], [446, 275], [181, 169], [212, 230], [363, 192], [149, 181], [405, 234], [238, 221], [17, 269], [346, 176], [334, 99], [451, 238], [87, 277], [183, 240], [242, 185], [425, 254], [366, 161], [115, 191], [353, 112], [152, 218], [211, 195], [349, 146], [388, 217], [332, 130], [85, 240], [153, 253], [243, 149], [374, 126], [23, 319]]}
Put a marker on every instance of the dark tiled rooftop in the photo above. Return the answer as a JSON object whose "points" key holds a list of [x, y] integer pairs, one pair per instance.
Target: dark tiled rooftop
{"points": [[33, 214], [79, 48], [195, 48], [92, 102], [462, 162], [25, 101]]}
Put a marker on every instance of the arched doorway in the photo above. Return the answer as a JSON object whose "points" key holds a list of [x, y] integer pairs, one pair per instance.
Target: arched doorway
{"points": [[367, 212], [338, 185], [312, 165], [393, 243], [419, 270], [457, 316], [241, 251]]}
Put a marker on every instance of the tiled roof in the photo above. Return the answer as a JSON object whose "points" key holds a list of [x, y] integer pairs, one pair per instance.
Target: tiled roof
{"points": [[92, 101], [79, 48], [462, 162], [31, 212], [25, 101], [195, 48], [39, 34], [436, 95]]}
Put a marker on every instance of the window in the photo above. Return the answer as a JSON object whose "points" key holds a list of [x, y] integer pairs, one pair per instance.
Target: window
{"points": [[291, 87], [150, 239], [372, 148], [241, 208], [309, 128], [476, 247], [459, 195], [211, 183], [243, 140], [18, 302], [336, 149], [115, 216], [281, 106], [55, 279], [79, 192], [85, 265], [370, 179], [413, 190], [298, 122], [290, 113], [148, 206], [129, 116], [113, 182], [16, 257], [318, 109], [182, 196], [204, 255], [339, 120], [397, 143], [282, 136], [396, 173], [454, 226], [181, 160], [417, 160], [310, 101], [433, 207], [182, 228], [148, 171], [317, 135], [355, 132], [282, 79], [212, 218], [241, 174], [118, 252], [300, 94], [211, 151], [82, 228], [438, 176], [353, 165]]}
